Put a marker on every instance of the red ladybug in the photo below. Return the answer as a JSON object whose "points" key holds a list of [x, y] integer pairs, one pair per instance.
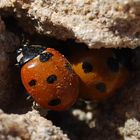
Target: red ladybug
{"points": [[48, 77], [100, 73]]}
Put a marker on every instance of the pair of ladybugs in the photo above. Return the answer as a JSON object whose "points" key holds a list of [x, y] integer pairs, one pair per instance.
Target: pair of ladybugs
{"points": [[55, 83]]}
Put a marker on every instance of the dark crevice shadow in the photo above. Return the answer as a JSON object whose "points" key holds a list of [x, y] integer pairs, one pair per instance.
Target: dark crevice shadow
{"points": [[77, 129]]}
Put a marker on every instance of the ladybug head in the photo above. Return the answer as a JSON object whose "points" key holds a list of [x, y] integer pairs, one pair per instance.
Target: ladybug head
{"points": [[28, 52]]}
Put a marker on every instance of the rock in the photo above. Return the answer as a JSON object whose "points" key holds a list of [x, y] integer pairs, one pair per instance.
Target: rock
{"points": [[104, 23], [8, 77], [131, 130], [30, 126]]}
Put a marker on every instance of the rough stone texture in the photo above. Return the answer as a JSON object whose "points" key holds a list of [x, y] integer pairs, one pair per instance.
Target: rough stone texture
{"points": [[8, 45], [97, 23], [29, 126], [131, 130]]}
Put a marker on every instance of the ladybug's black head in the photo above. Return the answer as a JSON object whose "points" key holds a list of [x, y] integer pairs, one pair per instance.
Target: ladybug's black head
{"points": [[28, 52]]}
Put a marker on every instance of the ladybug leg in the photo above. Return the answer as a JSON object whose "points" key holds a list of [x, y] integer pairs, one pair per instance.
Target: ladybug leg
{"points": [[35, 106], [42, 111], [29, 98]]}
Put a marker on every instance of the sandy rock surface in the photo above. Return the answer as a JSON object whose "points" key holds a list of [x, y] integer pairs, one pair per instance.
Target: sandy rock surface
{"points": [[98, 23], [30, 126]]}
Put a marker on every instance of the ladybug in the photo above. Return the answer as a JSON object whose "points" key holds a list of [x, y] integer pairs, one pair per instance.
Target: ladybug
{"points": [[100, 73], [48, 77]]}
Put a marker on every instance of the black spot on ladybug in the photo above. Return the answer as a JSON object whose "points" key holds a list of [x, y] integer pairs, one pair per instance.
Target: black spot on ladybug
{"points": [[51, 79], [54, 102], [44, 57], [87, 67], [101, 87], [32, 83], [113, 64], [68, 66]]}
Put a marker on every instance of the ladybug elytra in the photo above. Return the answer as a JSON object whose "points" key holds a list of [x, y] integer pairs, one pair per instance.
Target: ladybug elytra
{"points": [[48, 77]]}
